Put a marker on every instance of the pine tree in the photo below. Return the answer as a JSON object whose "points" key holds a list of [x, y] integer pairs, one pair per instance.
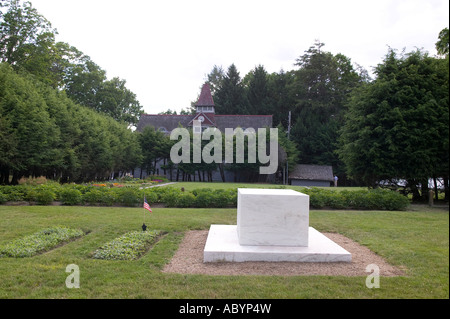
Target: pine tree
{"points": [[231, 98]]}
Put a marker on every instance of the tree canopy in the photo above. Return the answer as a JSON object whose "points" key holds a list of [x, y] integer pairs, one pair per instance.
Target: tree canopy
{"points": [[44, 133], [397, 127], [27, 43]]}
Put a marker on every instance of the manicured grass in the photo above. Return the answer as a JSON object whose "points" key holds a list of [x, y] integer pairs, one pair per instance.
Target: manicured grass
{"points": [[417, 240]]}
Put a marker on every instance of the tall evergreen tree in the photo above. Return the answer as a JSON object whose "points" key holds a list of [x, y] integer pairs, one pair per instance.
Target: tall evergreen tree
{"points": [[231, 98], [258, 93], [215, 79], [281, 97]]}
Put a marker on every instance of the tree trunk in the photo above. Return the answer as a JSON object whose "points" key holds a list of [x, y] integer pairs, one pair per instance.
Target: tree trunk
{"points": [[222, 173], [446, 188], [436, 194]]}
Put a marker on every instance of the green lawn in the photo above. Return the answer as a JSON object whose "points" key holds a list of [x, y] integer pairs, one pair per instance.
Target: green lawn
{"points": [[416, 240]]}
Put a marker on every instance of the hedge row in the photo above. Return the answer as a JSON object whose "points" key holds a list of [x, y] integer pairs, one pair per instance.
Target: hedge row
{"points": [[376, 199]]}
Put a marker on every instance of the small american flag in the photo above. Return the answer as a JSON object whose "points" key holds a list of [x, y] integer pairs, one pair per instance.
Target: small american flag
{"points": [[147, 206]]}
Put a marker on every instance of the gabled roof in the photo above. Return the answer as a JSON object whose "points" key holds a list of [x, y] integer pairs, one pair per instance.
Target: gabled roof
{"points": [[169, 122], [205, 98], [312, 172], [208, 119]]}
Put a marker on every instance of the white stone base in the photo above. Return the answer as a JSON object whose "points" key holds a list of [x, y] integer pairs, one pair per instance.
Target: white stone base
{"points": [[223, 245]]}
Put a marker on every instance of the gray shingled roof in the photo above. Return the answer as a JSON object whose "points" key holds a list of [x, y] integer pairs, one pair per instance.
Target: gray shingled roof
{"points": [[170, 122], [312, 172]]}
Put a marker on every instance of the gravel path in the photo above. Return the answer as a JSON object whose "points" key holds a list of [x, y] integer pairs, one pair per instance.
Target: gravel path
{"points": [[189, 260]]}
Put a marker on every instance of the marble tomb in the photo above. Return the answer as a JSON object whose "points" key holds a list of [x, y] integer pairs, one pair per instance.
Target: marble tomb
{"points": [[272, 225]]}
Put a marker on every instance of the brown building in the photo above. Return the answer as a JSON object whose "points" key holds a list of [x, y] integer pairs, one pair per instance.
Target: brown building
{"points": [[311, 175], [205, 113]]}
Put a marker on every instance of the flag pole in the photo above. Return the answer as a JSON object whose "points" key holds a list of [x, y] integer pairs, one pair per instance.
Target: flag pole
{"points": [[143, 224], [147, 207]]}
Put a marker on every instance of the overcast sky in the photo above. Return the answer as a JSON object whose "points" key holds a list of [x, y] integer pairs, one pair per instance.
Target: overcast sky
{"points": [[165, 49]]}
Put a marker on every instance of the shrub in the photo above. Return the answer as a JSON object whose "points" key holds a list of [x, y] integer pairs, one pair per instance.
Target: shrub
{"points": [[220, 198], [379, 199], [165, 194], [94, 196], [15, 193], [128, 196], [41, 195], [316, 197], [150, 196], [182, 200], [203, 198], [3, 198], [70, 196]]}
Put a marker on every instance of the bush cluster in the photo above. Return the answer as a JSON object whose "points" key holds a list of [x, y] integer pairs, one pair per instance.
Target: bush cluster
{"points": [[41, 241], [74, 194], [375, 199]]}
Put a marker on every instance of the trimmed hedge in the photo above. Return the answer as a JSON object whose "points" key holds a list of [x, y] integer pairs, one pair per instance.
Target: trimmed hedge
{"points": [[374, 199]]}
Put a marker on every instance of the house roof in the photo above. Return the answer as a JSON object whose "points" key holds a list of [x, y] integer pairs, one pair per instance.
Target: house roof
{"points": [[207, 119], [205, 98], [312, 172], [170, 122]]}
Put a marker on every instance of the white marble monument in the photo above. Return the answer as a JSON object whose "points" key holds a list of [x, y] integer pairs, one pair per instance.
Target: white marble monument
{"points": [[272, 225], [272, 217]]}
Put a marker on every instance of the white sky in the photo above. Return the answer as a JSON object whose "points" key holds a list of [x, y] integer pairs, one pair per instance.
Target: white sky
{"points": [[165, 49]]}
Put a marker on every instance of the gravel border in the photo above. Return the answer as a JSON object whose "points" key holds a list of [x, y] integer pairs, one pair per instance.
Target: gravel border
{"points": [[189, 260]]}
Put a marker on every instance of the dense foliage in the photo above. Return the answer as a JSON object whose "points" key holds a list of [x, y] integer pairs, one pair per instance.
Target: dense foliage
{"points": [[44, 133], [397, 127], [170, 196], [62, 118], [27, 43]]}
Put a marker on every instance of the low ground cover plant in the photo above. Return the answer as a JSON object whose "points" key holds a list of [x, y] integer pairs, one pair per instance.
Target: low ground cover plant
{"points": [[127, 247], [39, 242]]}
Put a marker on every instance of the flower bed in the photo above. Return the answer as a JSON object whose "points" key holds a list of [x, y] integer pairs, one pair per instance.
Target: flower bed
{"points": [[39, 242], [127, 247]]}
